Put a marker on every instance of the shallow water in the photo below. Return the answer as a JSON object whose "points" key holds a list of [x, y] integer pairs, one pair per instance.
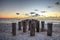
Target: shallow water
{"points": [[6, 29]]}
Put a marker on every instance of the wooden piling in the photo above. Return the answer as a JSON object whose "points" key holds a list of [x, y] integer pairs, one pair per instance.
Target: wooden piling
{"points": [[42, 26], [24, 26], [13, 29], [37, 26], [32, 29], [29, 24], [49, 31], [19, 25]]}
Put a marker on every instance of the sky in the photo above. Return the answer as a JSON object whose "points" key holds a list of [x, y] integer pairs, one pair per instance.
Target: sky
{"points": [[9, 8]]}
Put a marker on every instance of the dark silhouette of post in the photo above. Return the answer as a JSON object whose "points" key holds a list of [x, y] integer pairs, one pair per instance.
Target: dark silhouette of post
{"points": [[13, 29], [49, 31], [37, 26], [19, 25], [32, 28], [24, 26], [29, 24], [42, 26]]}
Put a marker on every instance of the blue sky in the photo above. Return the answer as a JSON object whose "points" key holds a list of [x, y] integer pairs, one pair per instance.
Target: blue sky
{"points": [[26, 6]]}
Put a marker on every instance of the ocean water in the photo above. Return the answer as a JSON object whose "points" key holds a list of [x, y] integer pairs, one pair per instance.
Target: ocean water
{"points": [[6, 24], [6, 29]]}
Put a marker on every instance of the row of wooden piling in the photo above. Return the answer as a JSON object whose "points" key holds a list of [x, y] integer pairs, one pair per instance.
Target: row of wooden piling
{"points": [[32, 24]]}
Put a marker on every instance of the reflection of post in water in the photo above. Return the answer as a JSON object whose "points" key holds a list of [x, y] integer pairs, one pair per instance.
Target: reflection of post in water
{"points": [[49, 31], [19, 25], [13, 29], [24, 26], [32, 28], [42, 25]]}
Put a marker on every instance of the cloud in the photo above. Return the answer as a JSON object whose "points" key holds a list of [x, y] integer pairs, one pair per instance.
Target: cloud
{"points": [[43, 11], [57, 3]]}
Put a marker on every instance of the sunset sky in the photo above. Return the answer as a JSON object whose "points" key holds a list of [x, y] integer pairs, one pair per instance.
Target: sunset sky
{"points": [[9, 8]]}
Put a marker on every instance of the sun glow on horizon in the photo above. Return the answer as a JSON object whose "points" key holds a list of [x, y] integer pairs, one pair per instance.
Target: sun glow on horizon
{"points": [[25, 16], [22, 14]]}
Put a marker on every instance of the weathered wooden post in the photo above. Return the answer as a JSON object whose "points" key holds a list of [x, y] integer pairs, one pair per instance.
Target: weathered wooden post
{"points": [[26, 21], [13, 29], [19, 25], [49, 31], [37, 26], [29, 24], [32, 28], [24, 26], [42, 26]]}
